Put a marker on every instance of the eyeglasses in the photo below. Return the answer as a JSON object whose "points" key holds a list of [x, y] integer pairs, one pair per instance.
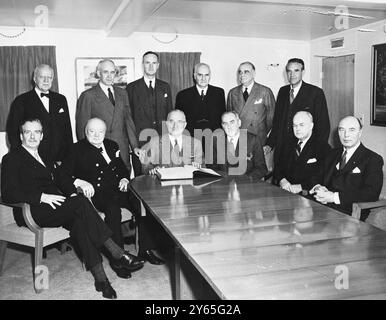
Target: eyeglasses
{"points": [[178, 122]]}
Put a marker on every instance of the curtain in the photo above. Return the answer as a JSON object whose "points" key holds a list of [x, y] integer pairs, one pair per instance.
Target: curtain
{"points": [[176, 68], [17, 64]]}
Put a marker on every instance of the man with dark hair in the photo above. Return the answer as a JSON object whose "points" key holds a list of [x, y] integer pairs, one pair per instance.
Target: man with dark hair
{"points": [[349, 174], [203, 104], [27, 176], [50, 108], [150, 100], [109, 103], [297, 96], [254, 103]]}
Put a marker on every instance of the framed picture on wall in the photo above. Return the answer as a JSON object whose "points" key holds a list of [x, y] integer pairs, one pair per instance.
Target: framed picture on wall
{"points": [[86, 75], [378, 96]]}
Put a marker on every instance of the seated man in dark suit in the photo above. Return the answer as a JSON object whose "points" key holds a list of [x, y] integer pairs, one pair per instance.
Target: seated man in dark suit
{"points": [[301, 158], [349, 174], [26, 177], [240, 152], [95, 165], [173, 149]]}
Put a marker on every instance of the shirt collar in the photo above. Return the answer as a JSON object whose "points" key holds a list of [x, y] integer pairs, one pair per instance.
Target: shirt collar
{"points": [[38, 92], [297, 88], [249, 87], [30, 151], [351, 151], [179, 140], [147, 81], [104, 88], [200, 89], [235, 138], [304, 142]]}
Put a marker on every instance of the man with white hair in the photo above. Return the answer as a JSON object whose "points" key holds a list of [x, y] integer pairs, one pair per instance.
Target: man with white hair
{"points": [[111, 104], [302, 157], [50, 108], [203, 104], [351, 173], [173, 149]]}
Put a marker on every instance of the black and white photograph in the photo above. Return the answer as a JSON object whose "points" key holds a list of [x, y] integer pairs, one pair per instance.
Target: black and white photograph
{"points": [[192, 157]]}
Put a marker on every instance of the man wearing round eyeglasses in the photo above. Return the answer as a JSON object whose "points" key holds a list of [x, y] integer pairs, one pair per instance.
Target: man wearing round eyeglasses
{"points": [[172, 149]]}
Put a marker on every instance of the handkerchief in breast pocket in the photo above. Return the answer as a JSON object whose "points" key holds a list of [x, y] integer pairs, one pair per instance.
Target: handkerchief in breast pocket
{"points": [[312, 160], [117, 154], [258, 101], [61, 110], [356, 170]]}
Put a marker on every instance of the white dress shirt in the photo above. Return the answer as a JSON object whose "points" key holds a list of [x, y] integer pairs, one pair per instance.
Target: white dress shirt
{"points": [[44, 100], [297, 88], [105, 89]]}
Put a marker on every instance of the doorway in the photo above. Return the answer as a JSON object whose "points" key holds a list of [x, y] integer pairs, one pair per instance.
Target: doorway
{"points": [[338, 86]]}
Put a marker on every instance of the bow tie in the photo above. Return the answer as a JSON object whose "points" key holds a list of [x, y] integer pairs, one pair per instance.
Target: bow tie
{"points": [[44, 94]]}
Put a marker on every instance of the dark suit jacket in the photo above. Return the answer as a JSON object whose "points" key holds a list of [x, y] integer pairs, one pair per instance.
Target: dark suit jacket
{"points": [[211, 108], [141, 106], [120, 126], [360, 180], [255, 166], [309, 98], [299, 170], [87, 163], [57, 133], [257, 113], [24, 179]]}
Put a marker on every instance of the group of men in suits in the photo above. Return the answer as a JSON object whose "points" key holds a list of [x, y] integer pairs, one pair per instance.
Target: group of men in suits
{"points": [[109, 123]]}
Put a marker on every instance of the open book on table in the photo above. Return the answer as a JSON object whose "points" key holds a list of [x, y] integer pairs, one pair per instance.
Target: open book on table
{"points": [[185, 172]]}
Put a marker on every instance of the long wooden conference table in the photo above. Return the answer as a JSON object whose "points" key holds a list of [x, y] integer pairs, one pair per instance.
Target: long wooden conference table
{"points": [[253, 240]]}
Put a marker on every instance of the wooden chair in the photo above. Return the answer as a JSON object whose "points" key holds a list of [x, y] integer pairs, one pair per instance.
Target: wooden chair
{"points": [[359, 206], [31, 236]]}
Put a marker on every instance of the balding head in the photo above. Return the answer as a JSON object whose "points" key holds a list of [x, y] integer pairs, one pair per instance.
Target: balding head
{"points": [[350, 131], [95, 131], [302, 124]]}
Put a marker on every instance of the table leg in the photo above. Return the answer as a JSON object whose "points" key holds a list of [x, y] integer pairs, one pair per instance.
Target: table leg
{"points": [[177, 274]]}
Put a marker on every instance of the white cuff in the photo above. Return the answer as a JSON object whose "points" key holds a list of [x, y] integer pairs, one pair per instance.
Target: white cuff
{"points": [[336, 198], [77, 183]]}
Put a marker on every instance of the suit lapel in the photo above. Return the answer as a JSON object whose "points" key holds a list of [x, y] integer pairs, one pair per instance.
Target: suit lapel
{"points": [[352, 162], [251, 98], [143, 97], [299, 97], [39, 105]]}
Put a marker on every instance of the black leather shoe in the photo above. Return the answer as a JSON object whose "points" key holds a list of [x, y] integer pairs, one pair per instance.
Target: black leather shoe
{"points": [[121, 272], [128, 262], [136, 258], [152, 258], [106, 288]]}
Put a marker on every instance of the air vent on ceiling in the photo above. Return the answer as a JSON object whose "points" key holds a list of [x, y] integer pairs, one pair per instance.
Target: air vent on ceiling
{"points": [[336, 43]]}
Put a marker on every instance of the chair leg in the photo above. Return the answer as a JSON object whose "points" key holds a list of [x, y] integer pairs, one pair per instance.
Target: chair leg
{"points": [[3, 248], [39, 282]]}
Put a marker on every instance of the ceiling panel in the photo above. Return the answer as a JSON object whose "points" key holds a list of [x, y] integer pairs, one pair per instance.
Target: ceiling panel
{"points": [[295, 19]]}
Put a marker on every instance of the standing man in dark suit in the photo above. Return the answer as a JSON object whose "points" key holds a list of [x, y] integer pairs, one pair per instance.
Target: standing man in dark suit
{"points": [[203, 104], [241, 152], [27, 176], [109, 103], [95, 165], [47, 106], [297, 96], [150, 101], [302, 158], [254, 103], [349, 174]]}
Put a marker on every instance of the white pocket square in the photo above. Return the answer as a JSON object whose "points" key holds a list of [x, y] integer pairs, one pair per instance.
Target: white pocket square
{"points": [[356, 170], [259, 101], [165, 95], [117, 153], [313, 160], [61, 110]]}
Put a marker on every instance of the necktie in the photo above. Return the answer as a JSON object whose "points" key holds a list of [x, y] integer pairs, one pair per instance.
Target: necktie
{"points": [[100, 150], [111, 97], [245, 94], [342, 162], [231, 147], [44, 95], [150, 86], [299, 148], [292, 97], [202, 95]]}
